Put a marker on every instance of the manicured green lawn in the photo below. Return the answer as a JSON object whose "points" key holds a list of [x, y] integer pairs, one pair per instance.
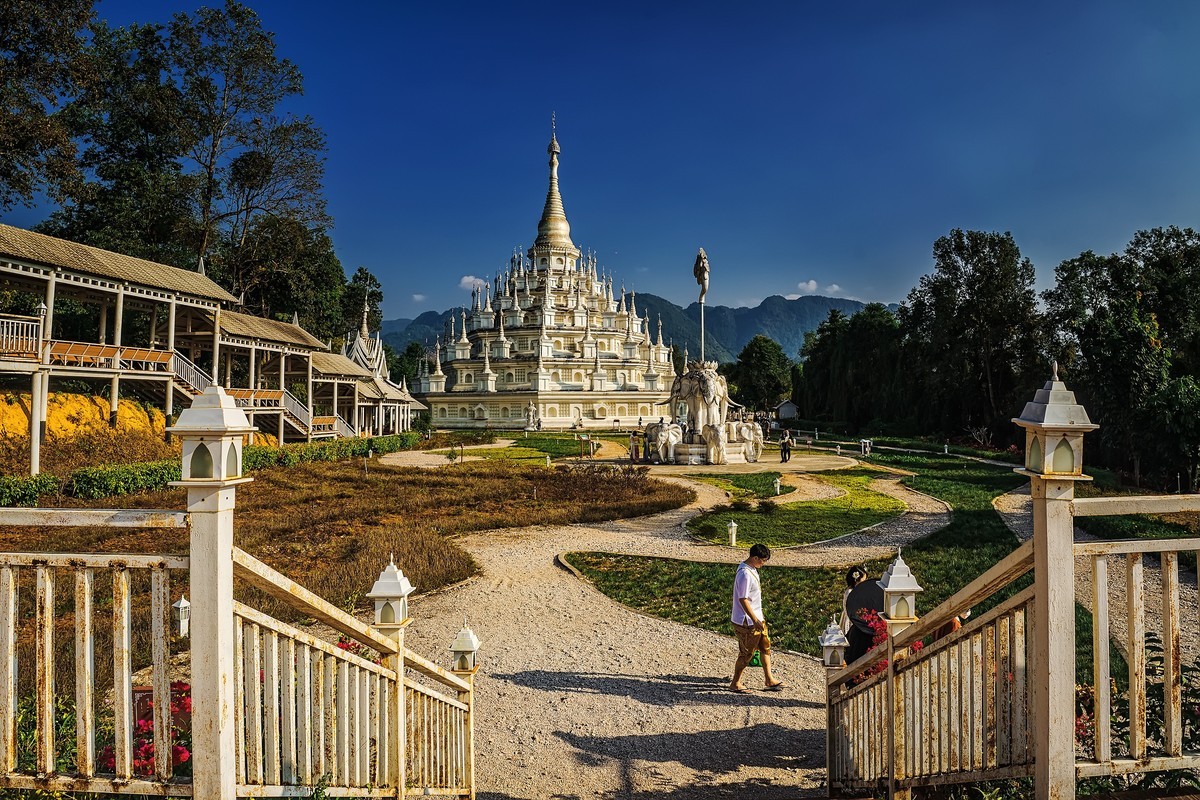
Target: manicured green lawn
{"points": [[807, 521], [534, 448], [799, 601], [745, 485]]}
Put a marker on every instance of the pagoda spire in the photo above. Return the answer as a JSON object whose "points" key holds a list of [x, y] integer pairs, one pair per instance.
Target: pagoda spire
{"points": [[366, 334], [437, 357], [553, 228], [660, 341], [463, 336]]}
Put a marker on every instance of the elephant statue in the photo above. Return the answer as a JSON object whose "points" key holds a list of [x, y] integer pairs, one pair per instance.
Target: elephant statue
{"points": [[661, 438], [714, 443], [751, 434], [704, 392]]}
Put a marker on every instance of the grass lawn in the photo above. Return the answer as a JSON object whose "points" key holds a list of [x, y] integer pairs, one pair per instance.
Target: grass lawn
{"points": [[806, 521], [745, 485], [535, 447], [799, 601]]}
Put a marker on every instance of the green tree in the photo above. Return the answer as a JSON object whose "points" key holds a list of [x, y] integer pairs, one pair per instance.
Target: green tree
{"points": [[363, 286], [762, 374], [407, 362], [136, 199], [822, 356], [41, 62], [971, 333]]}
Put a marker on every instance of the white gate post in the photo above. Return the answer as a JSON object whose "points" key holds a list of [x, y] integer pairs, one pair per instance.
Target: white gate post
{"points": [[1054, 427], [211, 431], [390, 594], [1053, 639]]}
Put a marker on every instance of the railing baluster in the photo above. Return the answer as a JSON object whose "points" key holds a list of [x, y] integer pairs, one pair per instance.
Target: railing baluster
{"points": [[342, 752], [254, 705], [242, 715], [85, 675], [8, 669], [1172, 668], [945, 710], [1020, 710], [1003, 692], [122, 677], [954, 703], [362, 726], [1137, 655], [989, 694], [377, 709], [160, 602], [44, 648], [287, 676], [1102, 708], [322, 691], [305, 731], [270, 684]]}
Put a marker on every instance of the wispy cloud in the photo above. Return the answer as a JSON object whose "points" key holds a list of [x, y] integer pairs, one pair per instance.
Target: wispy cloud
{"points": [[418, 298]]}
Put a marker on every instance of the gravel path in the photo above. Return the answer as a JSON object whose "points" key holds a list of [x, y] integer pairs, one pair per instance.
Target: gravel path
{"points": [[580, 697], [1016, 508]]}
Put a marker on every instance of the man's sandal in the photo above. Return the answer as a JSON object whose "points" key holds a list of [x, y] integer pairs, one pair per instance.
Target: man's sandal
{"points": [[775, 687]]}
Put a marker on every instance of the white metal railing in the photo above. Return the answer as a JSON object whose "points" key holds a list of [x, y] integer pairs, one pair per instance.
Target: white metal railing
{"points": [[344, 429], [189, 373], [296, 409], [20, 337]]}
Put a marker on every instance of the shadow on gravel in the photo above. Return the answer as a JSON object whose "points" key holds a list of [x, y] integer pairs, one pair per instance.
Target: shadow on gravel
{"points": [[661, 690], [747, 790]]}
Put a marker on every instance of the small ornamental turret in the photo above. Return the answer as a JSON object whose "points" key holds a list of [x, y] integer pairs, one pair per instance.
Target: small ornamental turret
{"points": [[833, 645], [900, 591], [390, 594], [181, 613], [464, 650], [211, 431], [732, 527], [1054, 427]]}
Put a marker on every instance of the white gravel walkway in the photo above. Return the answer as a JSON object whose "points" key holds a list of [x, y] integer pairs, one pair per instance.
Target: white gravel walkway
{"points": [[580, 697]]}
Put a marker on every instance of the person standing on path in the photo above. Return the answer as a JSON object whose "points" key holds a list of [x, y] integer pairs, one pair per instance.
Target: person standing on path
{"points": [[748, 621], [785, 447]]}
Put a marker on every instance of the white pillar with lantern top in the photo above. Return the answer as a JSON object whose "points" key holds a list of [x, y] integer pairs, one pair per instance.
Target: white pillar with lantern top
{"points": [[732, 528], [464, 651], [390, 595], [1054, 425], [211, 432]]}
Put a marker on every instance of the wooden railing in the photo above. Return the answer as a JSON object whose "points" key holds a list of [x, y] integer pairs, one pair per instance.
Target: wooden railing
{"points": [[344, 429], [297, 410], [306, 713], [20, 337], [118, 602], [955, 710], [257, 398]]}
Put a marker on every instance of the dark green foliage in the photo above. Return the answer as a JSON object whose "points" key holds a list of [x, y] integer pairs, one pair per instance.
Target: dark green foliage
{"points": [[25, 491], [91, 483], [761, 377]]}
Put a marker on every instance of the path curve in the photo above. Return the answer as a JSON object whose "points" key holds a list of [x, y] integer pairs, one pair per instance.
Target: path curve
{"points": [[581, 697]]}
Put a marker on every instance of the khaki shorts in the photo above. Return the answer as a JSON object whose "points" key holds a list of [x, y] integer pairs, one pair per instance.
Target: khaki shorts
{"points": [[749, 641]]}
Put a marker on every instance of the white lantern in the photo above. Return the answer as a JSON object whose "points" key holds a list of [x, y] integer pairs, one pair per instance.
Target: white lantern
{"points": [[732, 526], [390, 594], [463, 650], [833, 645], [900, 590], [1054, 427], [211, 431], [777, 484], [181, 612]]}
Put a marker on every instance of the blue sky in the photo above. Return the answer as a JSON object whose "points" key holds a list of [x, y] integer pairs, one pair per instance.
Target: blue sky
{"points": [[809, 148]]}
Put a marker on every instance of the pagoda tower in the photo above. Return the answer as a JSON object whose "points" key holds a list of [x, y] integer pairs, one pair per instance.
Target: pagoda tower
{"points": [[548, 333]]}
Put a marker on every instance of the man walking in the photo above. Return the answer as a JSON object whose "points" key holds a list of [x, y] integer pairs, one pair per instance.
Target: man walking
{"points": [[748, 621]]}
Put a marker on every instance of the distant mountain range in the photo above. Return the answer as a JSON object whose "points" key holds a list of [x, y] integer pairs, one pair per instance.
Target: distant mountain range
{"points": [[727, 330]]}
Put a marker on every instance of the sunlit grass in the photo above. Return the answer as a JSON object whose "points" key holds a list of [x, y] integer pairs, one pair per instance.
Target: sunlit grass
{"points": [[746, 484]]}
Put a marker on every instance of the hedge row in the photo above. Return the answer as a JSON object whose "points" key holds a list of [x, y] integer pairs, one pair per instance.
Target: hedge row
{"points": [[24, 491], [93, 483]]}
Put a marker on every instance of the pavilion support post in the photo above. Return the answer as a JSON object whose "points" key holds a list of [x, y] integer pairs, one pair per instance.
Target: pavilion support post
{"points": [[228, 367], [357, 426], [171, 325], [51, 290], [35, 425], [216, 348], [114, 400], [153, 326], [169, 407], [281, 416], [1054, 639], [253, 367], [103, 321], [283, 370], [118, 316], [309, 398]]}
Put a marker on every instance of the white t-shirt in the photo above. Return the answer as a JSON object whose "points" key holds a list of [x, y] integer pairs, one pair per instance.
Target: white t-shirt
{"points": [[745, 584]]}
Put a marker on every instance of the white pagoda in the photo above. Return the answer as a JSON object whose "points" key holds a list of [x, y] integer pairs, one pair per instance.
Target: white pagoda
{"points": [[548, 344]]}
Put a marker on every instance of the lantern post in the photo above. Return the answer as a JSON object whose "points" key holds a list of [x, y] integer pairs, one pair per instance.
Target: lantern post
{"points": [[211, 432], [1054, 425]]}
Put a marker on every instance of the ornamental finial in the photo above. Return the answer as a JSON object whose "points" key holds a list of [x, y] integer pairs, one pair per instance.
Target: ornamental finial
{"points": [[1055, 378]]}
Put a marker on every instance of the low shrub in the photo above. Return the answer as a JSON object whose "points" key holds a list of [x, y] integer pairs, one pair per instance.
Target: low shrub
{"points": [[92, 483], [25, 491]]}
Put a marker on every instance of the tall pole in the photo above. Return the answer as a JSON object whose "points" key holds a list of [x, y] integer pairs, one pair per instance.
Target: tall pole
{"points": [[700, 270]]}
